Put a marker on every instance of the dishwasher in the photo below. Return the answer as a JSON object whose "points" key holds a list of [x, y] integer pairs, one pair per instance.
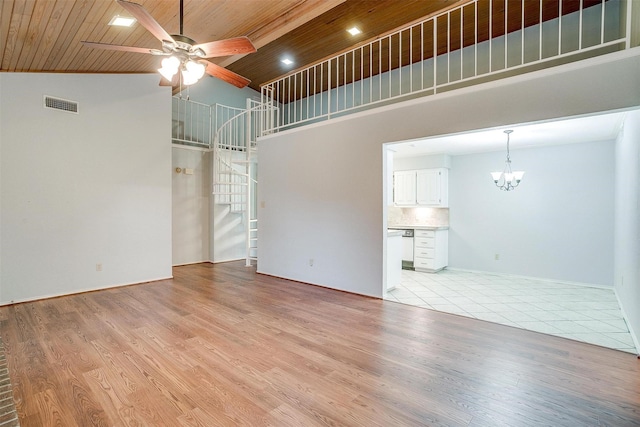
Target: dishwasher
{"points": [[407, 249]]}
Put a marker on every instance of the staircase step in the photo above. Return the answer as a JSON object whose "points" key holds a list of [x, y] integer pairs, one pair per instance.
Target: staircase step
{"points": [[232, 172], [229, 183]]}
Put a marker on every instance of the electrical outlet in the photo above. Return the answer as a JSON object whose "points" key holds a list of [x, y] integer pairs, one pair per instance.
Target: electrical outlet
{"points": [[497, 257], [99, 267], [310, 262]]}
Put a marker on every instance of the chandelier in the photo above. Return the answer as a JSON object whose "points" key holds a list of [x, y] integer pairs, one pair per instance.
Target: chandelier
{"points": [[507, 180]]}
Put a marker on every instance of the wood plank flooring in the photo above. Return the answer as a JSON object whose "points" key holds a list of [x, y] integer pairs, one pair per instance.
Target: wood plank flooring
{"points": [[220, 345]]}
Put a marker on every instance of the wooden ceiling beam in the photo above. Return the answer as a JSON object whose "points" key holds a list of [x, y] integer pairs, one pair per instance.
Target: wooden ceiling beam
{"points": [[298, 15]]}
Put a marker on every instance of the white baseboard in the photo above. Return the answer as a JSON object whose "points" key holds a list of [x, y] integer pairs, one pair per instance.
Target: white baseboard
{"points": [[192, 263], [217, 261], [541, 279], [81, 291], [634, 337]]}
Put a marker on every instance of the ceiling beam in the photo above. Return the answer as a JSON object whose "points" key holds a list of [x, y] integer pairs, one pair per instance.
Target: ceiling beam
{"points": [[303, 12]]}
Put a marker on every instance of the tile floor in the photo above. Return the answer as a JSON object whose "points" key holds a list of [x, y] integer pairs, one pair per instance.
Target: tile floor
{"points": [[578, 312]]}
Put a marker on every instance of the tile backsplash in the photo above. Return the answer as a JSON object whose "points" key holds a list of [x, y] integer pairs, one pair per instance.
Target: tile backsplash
{"points": [[435, 217]]}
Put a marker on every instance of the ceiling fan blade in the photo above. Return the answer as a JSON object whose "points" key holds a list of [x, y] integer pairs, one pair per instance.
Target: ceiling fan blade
{"points": [[226, 47], [145, 19], [226, 75], [108, 46]]}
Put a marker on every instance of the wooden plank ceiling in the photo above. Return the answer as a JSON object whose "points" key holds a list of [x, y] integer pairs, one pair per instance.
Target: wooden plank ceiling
{"points": [[45, 35]]}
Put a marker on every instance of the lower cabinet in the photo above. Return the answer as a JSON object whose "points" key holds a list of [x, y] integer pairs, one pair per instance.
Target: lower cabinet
{"points": [[430, 250]]}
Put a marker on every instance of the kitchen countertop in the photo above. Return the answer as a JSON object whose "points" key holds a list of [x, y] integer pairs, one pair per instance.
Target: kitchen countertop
{"points": [[419, 227]]}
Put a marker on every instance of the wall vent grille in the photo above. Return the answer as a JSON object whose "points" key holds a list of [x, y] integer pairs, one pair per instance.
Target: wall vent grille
{"points": [[60, 104]]}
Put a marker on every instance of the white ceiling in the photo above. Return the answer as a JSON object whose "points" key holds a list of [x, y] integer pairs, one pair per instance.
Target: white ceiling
{"points": [[583, 129]]}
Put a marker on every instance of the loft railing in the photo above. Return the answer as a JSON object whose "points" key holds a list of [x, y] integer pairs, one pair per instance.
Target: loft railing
{"points": [[191, 123], [475, 42]]}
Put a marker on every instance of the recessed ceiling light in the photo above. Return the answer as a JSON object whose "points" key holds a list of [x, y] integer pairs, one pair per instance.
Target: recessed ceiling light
{"points": [[287, 61], [122, 21], [354, 31]]}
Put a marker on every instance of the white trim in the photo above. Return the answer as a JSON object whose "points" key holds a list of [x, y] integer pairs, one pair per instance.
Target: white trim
{"points": [[381, 298], [191, 147], [82, 291], [634, 337], [226, 260], [540, 279], [205, 261]]}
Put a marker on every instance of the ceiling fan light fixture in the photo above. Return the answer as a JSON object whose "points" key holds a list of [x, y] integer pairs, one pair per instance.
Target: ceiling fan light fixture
{"points": [[192, 72], [169, 67]]}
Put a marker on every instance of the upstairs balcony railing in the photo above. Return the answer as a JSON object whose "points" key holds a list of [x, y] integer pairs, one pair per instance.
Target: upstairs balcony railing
{"points": [[472, 43]]}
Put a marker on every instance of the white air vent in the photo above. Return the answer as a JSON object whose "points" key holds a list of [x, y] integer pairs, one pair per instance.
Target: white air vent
{"points": [[60, 104]]}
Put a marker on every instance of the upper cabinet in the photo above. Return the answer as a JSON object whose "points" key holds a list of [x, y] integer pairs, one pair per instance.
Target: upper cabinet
{"points": [[404, 188], [425, 187], [432, 187]]}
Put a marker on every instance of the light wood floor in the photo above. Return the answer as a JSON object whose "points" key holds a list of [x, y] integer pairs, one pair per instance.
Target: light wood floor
{"points": [[220, 345]]}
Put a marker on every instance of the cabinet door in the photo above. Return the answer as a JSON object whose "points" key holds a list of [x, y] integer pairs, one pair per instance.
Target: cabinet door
{"points": [[404, 188], [428, 187], [431, 187]]}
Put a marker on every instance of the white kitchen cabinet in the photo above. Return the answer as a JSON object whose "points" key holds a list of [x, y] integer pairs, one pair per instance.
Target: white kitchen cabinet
{"points": [[404, 188], [431, 250], [424, 187], [432, 187]]}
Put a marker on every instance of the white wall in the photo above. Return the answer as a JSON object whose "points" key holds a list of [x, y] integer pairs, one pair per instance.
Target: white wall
{"points": [[558, 224], [627, 221], [322, 185], [322, 195], [77, 190], [190, 201]]}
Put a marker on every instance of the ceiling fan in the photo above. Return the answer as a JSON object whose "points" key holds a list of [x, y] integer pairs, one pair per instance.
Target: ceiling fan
{"points": [[183, 53]]}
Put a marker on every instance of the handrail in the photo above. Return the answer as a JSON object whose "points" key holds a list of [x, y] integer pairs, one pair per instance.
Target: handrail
{"points": [[480, 39]]}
